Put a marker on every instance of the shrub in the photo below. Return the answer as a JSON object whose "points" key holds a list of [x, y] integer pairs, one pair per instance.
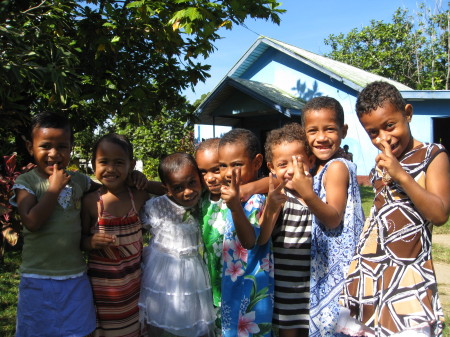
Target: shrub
{"points": [[9, 218]]}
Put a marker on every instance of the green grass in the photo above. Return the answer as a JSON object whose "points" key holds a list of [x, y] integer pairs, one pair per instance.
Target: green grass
{"points": [[441, 254], [366, 198], [9, 283]]}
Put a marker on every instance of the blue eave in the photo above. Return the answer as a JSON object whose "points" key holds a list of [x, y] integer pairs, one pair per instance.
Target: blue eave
{"points": [[422, 95]]}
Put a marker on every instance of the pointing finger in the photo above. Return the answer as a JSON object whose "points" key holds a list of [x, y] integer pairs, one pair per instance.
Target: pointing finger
{"points": [[238, 176], [271, 188], [280, 187], [384, 146]]}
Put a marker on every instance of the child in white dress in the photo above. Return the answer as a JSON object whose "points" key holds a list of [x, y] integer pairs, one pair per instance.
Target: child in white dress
{"points": [[175, 292]]}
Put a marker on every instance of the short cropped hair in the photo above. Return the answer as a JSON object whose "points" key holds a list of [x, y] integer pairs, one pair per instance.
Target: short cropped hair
{"points": [[375, 94], [50, 120], [324, 102], [114, 138], [288, 133], [245, 137], [209, 144], [172, 163]]}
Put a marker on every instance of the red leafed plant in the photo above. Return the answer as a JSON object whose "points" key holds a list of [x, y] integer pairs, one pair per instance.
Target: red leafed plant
{"points": [[9, 218]]}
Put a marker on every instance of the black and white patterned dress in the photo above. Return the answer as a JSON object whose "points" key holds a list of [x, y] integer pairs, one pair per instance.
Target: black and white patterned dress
{"points": [[391, 285], [291, 248]]}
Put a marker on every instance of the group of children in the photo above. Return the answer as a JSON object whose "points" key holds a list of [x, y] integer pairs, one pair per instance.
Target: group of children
{"points": [[290, 252]]}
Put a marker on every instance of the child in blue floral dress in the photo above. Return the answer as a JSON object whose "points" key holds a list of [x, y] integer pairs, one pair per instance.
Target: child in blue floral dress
{"points": [[247, 279]]}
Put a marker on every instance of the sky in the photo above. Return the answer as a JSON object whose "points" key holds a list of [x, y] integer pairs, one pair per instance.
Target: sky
{"points": [[305, 24]]}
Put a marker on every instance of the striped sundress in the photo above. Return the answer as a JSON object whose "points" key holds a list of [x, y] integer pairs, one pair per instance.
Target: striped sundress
{"points": [[291, 249], [115, 274]]}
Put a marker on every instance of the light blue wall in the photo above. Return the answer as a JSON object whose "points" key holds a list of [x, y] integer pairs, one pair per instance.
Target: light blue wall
{"points": [[303, 81]]}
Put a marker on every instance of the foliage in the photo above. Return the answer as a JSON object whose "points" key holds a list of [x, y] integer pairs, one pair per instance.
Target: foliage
{"points": [[96, 59], [158, 136], [9, 219], [410, 50]]}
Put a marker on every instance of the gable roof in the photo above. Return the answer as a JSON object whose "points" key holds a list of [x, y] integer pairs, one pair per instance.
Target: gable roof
{"points": [[275, 99], [351, 76]]}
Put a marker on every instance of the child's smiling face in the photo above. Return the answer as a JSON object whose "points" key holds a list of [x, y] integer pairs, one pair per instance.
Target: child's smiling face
{"points": [[208, 164], [184, 186], [235, 155], [50, 146], [282, 162], [112, 165], [323, 132], [390, 124]]}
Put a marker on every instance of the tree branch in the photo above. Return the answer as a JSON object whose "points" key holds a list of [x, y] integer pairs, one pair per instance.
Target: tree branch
{"points": [[30, 9]]}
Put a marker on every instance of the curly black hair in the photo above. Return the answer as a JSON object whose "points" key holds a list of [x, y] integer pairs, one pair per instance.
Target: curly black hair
{"points": [[375, 94], [288, 133]]}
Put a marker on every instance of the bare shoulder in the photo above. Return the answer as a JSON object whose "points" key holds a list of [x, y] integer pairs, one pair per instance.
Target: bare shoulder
{"points": [[337, 171], [439, 168]]}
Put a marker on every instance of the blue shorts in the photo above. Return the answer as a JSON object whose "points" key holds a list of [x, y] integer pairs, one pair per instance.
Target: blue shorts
{"points": [[54, 308]]}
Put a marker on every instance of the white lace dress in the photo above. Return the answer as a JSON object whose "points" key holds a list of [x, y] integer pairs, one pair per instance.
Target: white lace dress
{"points": [[175, 291]]}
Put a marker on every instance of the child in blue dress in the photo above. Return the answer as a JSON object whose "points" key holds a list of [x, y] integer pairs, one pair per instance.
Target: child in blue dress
{"points": [[247, 279], [332, 195]]}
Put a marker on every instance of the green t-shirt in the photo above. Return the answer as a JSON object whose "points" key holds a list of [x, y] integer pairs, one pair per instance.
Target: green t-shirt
{"points": [[54, 249]]}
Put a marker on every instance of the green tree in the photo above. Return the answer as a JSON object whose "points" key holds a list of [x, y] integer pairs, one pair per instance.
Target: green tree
{"points": [[97, 59], [410, 50], [156, 136]]}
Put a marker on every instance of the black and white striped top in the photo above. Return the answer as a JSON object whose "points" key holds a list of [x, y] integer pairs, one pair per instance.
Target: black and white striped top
{"points": [[291, 247]]}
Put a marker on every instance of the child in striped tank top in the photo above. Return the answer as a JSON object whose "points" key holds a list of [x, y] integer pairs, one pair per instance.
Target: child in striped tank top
{"points": [[113, 237], [288, 220]]}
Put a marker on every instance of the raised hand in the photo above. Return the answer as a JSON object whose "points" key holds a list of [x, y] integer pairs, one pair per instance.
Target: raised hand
{"points": [[276, 197], [302, 181], [388, 163], [230, 193], [137, 179], [58, 179], [102, 240]]}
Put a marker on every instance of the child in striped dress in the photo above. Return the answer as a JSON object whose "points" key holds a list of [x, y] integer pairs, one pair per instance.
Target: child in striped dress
{"points": [[288, 220], [113, 236]]}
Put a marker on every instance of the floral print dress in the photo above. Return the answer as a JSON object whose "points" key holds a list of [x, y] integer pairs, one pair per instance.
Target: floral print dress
{"points": [[331, 253], [247, 280], [213, 216]]}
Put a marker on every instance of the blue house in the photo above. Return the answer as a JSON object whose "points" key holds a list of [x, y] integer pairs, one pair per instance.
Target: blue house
{"points": [[271, 82]]}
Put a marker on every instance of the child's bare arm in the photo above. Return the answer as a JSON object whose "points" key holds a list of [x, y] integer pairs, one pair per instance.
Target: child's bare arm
{"points": [[274, 204], [260, 186], [244, 229], [34, 213], [433, 201], [331, 212], [155, 187], [89, 216]]}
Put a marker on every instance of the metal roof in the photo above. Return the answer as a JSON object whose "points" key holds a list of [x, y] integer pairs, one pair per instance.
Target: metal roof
{"points": [[351, 76]]}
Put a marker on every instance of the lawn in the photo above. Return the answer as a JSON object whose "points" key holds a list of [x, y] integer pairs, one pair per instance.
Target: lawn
{"points": [[9, 276]]}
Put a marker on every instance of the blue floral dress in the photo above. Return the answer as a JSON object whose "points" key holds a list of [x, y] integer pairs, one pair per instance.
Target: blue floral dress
{"points": [[247, 280], [331, 253]]}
